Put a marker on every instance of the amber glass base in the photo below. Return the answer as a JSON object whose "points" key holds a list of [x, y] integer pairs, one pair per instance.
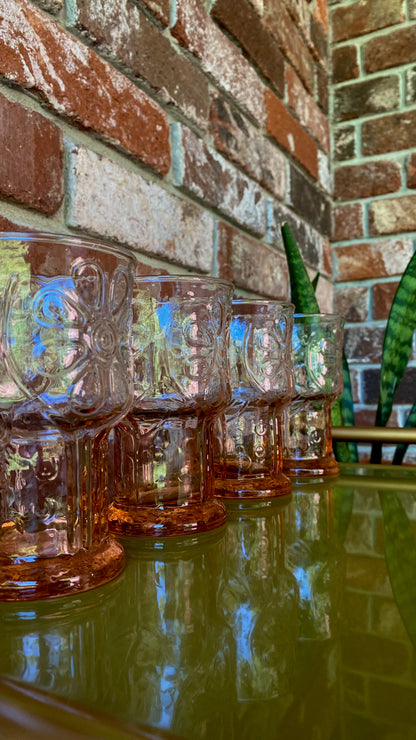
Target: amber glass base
{"points": [[64, 575], [310, 468], [252, 488], [166, 520]]}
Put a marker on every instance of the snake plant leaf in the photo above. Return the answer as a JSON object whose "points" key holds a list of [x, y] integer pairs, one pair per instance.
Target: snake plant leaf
{"points": [[303, 297], [400, 553], [397, 346], [401, 448], [301, 289]]}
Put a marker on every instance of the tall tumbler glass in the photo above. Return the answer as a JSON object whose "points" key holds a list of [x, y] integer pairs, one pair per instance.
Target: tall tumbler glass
{"points": [[247, 449], [306, 428], [65, 378], [163, 471]]}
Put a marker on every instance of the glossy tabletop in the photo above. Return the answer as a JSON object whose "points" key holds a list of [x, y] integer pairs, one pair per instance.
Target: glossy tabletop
{"points": [[296, 619]]}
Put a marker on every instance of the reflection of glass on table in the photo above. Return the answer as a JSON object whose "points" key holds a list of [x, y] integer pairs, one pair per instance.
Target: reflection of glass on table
{"points": [[185, 638]]}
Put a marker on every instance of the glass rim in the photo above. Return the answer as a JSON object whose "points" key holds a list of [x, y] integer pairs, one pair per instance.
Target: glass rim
{"points": [[49, 237], [262, 302], [173, 278], [318, 316]]}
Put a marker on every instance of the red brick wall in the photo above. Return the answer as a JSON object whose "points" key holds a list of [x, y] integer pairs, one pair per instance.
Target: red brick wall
{"points": [[186, 130], [374, 165]]}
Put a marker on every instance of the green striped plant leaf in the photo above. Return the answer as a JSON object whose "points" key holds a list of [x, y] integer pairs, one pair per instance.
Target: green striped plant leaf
{"points": [[400, 552], [397, 346], [302, 291]]}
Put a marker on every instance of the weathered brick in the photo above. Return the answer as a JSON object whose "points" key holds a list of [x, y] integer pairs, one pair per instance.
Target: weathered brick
{"points": [[322, 88], [75, 82], [383, 294], [159, 8], [239, 140], [313, 246], [352, 302], [393, 215], [365, 417], [320, 12], [7, 225], [366, 180], [289, 133], [324, 294], [355, 376], [287, 34], [319, 40], [51, 6], [300, 12], [306, 110], [344, 143], [363, 343], [241, 21], [325, 172], [208, 176], [327, 257], [374, 654], [196, 31], [389, 133], [411, 171], [140, 45], [372, 259], [309, 202], [390, 50], [405, 393], [364, 16], [410, 85], [344, 63], [107, 200], [31, 154], [250, 264], [347, 222], [360, 99]]}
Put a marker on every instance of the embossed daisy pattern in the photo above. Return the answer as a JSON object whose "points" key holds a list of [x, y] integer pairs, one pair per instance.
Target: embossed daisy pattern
{"points": [[67, 340]]}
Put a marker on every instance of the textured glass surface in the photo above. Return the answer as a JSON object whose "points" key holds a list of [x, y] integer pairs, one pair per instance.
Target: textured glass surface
{"points": [[65, 379], [247, 447], [306, 422], [163, 471]]}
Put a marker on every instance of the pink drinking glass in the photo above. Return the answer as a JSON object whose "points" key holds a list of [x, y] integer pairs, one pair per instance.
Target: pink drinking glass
{"points": [[65, 378], [306, 428], [247, 447], [163, 467]]}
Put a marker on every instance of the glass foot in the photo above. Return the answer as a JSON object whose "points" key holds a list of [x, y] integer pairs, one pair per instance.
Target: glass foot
{"points": [[311, 468], [166, 520], [64, 575], [253, 488]]}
